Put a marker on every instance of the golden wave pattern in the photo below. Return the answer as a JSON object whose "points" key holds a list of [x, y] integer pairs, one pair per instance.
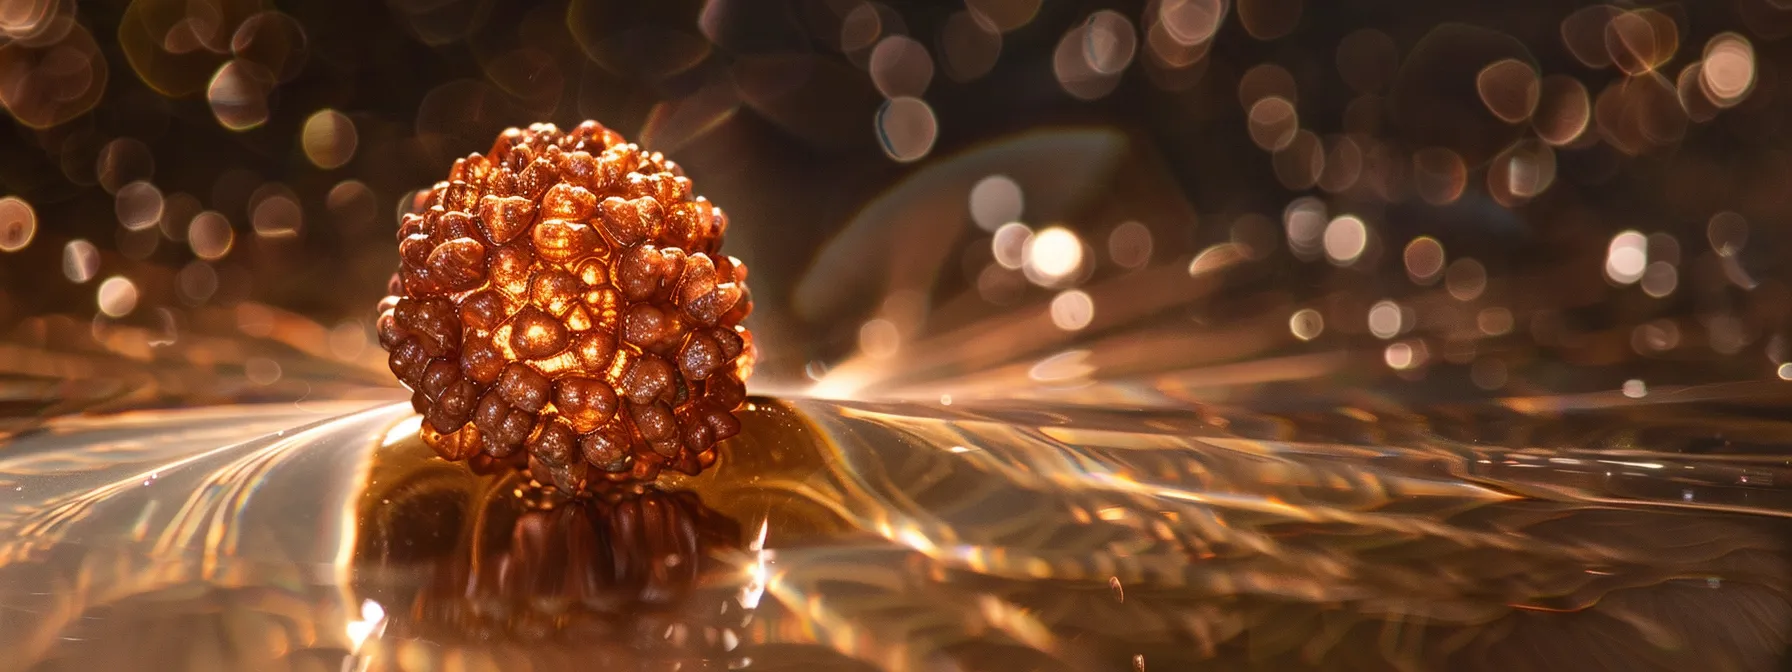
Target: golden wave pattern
{"points": [[898, 537]]}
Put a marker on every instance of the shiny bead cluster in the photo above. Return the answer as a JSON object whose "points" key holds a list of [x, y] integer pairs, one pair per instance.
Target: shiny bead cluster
{"points": [[561, 305]]}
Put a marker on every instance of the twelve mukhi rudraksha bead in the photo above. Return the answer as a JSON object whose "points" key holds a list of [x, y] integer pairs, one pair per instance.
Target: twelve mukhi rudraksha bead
{"points": [[561, 305]]}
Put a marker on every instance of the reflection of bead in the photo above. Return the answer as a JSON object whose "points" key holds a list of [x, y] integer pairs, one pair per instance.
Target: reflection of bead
{"points": [[561, 305]]}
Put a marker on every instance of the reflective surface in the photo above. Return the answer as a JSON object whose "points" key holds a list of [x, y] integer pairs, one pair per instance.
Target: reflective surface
{"points": [[896, 536], [1247, 334]]}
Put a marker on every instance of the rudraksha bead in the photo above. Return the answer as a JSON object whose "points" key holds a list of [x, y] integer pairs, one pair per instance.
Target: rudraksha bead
{"points": [[562, 305]]}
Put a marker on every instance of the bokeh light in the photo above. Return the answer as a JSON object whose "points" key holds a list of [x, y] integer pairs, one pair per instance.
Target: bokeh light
{"points": [[43, 85], [1072, 310], [275, 213], [1424, 260], [906, 128], [1386, 319], [901, 67], [329, 139], [1191, 22], [80, 261], [1306, 324], [1640, 40], [1659, 279], [210, 236], [1305, 221], [1130, 244], [138, 205], [1626, 257], [1727, 74], [238, 95], [1072, 61], [196, 283], [1346, 238], [1494, 321], [1109, 42], [1563, 110], [1010, 243], [1273, 123], [1263, 81], [1053, 254], [1727, 232], [996, 200], [1439, 175], [1510, 89], [1465, 279], [117, 296], [18, 224]]}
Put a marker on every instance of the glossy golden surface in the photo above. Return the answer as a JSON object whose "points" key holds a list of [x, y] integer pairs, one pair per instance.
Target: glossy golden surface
{"points": [[562, 305]]}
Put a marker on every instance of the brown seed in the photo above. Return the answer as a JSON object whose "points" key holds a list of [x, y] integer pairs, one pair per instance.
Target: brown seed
{"points": [[438, 376], [458, 264], [649, 379], [511, 266], [607, 449], [555, 291], [537, 335], [711, 307], [411, 224], [584, 402], [559, 240], [566, 201], [643, 270], [728, 340], [483, 309], [655, 422], [454, 224], [504, 425], [699, 294], [700, 356], [460, 196], [408, 361], [455, 406], [480, 360], [503, 218], [457, 445], [524, 387], [433, 321], [629, 222], [414, 249], [594, 349], [688, 225], [645, 326], [536, 179], [389, 331], [555, 444]]}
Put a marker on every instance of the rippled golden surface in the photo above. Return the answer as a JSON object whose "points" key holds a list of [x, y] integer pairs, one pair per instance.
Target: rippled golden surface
{"points": [[898, 536], [1248, 334]]}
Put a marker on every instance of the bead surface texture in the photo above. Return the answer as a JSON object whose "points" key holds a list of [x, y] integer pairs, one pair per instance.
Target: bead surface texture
{"points": [[562, 306]]}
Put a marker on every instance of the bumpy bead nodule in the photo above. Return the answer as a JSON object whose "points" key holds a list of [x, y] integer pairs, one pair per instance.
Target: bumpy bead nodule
{"points": [[561, 307]]}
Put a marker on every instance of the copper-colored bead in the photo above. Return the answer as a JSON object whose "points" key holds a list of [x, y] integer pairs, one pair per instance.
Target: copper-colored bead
{"points": [[523, 387], [561, 304], [586, 403]]}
